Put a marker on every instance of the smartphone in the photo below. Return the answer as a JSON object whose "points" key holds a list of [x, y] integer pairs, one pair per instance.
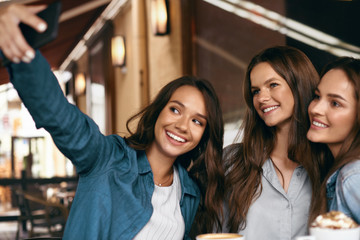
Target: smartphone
{"points": [[51, 16], [35, 39]]}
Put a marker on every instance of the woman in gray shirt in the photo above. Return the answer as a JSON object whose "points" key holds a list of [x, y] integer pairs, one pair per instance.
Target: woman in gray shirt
{"points": [[271, 174]]}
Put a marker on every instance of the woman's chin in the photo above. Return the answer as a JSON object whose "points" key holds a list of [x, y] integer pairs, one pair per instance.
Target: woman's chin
{"points": [[312, 137]]}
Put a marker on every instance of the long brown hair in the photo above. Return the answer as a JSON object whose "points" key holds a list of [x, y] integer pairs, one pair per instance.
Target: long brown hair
{"points": [[350, 150], [244, 161], [204, 162]]}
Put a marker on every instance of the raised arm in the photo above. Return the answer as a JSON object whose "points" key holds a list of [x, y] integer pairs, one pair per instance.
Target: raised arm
{"points": [[75, 134]]}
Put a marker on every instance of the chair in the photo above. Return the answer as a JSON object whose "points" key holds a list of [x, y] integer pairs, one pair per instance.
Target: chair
{"points": [[49, 217]]}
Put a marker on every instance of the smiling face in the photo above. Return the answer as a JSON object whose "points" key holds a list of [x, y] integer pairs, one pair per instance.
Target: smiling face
{"points": [[181, 124], [333, 110], [272, 96]]}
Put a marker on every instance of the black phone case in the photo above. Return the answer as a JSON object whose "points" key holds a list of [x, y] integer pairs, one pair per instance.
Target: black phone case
{"points": [[51, 16]]}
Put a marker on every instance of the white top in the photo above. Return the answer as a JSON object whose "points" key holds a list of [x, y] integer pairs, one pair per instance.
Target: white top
{"points": [[166, 222]]}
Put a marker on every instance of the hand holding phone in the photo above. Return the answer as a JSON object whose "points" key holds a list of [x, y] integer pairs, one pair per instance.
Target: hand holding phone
{"points": [[51, 15], [13, 44]]}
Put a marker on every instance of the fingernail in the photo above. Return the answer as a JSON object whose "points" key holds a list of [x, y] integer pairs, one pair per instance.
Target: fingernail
{"points": [[42, 27], [30, 54], [26, 59], [16, 60]]}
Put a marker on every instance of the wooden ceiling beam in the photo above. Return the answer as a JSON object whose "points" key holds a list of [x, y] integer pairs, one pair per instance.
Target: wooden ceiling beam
{"points": [[74, 12]]}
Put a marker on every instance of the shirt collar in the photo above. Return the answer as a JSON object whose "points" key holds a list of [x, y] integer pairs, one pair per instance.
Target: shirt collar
{"points": [[188, 186]]}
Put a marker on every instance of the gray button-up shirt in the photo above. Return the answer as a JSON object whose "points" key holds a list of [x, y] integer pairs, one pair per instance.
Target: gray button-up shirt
{"points": [[277, 215]]}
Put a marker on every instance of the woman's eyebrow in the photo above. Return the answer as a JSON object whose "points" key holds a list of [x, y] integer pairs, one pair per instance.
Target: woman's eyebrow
{"points": [[266, 82], [182, 105], [334, 95], [178, 102]]}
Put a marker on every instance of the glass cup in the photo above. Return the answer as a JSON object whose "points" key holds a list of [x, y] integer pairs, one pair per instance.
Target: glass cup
{"points": [[220, 236]]}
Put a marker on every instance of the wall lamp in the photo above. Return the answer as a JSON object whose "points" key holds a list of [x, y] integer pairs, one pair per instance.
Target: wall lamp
{"points": [[118, 52], [80, 84], [160, 20]]}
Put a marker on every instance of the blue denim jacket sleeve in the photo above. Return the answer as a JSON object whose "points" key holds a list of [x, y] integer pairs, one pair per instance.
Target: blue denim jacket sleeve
{"points": [[348, 191], [75, 134]]}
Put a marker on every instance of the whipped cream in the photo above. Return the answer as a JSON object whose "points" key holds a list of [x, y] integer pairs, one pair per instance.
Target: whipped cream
{"points": [[334, 220]]}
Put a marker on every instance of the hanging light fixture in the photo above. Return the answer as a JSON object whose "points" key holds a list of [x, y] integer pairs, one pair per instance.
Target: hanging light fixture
{"points": [[118, 51], [160, 19]]}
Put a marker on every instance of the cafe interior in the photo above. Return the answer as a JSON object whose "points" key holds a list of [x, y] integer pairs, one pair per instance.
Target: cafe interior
{"points": [[112, 56]]}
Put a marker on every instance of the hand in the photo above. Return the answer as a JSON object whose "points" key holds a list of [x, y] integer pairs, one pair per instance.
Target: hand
{"points": [[12, 42]]}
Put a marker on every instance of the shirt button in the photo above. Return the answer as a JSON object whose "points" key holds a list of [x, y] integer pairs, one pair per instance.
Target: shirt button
{"points": [[298, 174]]}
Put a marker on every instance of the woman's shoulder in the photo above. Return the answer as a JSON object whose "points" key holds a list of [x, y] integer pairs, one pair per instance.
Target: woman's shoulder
{"points": [[121, 146], [351, 169]]}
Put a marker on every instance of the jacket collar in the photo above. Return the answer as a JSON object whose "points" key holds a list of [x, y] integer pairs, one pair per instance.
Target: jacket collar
{"points": [[188, 186], [143, 163]]}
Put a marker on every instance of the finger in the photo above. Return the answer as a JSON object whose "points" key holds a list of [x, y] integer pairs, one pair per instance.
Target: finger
{"points": [[12, 50], [21, 48], [37, 23], [7, 40], [27, 15]]}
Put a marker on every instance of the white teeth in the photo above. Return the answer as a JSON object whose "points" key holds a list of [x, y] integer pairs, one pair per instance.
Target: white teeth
{"points": [[319, 124], [179, 139], [269, 109]]}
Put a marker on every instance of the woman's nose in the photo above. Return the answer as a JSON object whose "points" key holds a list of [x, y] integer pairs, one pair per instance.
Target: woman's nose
{"points": [[182, 123], [263, 96], [317, 107]]}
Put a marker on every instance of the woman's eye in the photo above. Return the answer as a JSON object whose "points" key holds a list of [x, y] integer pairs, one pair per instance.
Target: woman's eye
{"points": [[255, 92], [197, 122], [174, 110], [272, 85], [335, 104]]}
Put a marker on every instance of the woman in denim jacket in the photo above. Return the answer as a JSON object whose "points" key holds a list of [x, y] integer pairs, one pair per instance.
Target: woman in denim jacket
{"points": [[144, 186], [335, 121]]}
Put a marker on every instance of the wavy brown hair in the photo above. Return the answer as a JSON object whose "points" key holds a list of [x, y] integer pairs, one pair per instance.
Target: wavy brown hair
{"points": [[244, 161], [350, 150], [204, 162]]}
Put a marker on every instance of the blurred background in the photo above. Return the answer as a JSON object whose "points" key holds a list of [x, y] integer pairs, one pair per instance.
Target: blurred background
{"points": [[112, 57]]}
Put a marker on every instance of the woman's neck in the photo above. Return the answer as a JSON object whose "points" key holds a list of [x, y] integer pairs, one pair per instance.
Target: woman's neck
{"points": [[161, 166], [281, 142], [335, 149], [283, 165]]}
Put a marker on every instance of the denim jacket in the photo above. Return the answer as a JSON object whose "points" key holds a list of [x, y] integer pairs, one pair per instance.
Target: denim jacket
{"points": [[343, 192], [113, 198]]}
